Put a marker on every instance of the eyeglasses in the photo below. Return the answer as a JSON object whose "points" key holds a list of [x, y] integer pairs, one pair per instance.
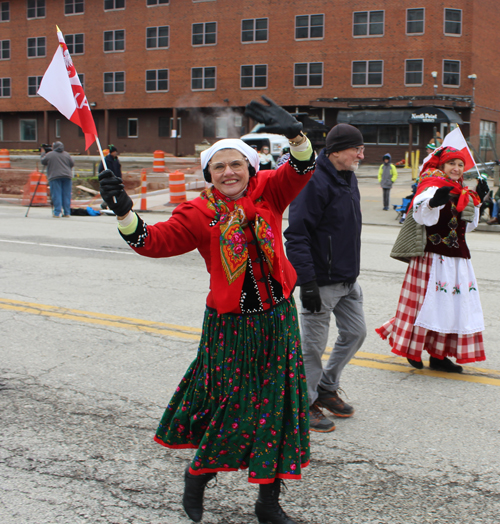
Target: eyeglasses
{"points": [[237, 166], [359, 150]]}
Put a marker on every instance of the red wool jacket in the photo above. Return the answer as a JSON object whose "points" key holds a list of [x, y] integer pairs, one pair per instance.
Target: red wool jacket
{"points": [[189, 228]]}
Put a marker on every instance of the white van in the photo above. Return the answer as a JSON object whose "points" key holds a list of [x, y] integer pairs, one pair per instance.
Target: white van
{"points": [[276, 143]]}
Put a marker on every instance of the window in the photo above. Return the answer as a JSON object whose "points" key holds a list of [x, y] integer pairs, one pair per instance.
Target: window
{"points": [[114, 4], [133, 128], [368, 23], [487, 132], [1, 129], [254, 30], [367, 73], [414, 21], [414, 72], [36, 47], [4, 12], [4, 49], [34, 84], [308, 74], [202, 78], [156, 2], [4, 87], [178, 131], [204, 34], [75, 44], [253, 76], [221, 127], [74, 7], [309, 26], [114, 82], [157, 80], [114, 41], [36, 8], [451, 73], [453, 22], [81, 77], [157, 37], [163, 127], [28, 130], [389, 135], [58, 128]]}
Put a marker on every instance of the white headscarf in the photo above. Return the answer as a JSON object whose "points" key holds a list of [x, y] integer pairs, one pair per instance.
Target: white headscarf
{"points": [[231, 143]]}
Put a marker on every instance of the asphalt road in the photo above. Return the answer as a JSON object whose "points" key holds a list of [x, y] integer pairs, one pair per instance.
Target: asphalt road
{"points": [[95, 338]]}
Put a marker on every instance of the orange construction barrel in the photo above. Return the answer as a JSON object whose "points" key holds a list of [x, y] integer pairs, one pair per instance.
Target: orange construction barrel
{"points": [[144, 190], [4, 159], [159, 162], [177, 185], [30, 187]]}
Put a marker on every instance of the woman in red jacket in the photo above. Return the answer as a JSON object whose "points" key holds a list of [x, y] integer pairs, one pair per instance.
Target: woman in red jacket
{"points": [[242, 403]]}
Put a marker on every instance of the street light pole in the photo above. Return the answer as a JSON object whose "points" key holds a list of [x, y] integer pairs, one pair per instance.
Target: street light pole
{"points": [[473, 78]]}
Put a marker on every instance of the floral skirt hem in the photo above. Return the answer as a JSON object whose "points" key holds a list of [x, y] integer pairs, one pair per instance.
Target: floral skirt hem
{"points": [[242, 404]]}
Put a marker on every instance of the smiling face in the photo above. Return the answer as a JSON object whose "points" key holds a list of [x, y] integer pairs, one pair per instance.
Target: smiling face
{"points": [[229, 171], [454, 169]]}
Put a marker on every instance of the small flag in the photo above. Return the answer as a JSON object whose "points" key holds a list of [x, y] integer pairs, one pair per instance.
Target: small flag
{"points": [[61, 87]]}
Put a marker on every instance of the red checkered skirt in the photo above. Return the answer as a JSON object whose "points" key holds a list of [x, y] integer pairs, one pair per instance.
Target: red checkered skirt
{"points": [[408, 340]]}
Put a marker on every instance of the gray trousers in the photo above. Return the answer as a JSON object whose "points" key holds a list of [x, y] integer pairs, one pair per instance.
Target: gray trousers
{"points": [[386, 197], [345, 301]]}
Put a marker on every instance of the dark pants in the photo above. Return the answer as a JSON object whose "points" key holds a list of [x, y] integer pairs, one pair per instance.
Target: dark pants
{"points": [[60, 194], [386, 193]]}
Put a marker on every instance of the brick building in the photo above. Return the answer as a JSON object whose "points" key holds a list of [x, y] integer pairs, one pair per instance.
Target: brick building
{"points": [[151, 68]]}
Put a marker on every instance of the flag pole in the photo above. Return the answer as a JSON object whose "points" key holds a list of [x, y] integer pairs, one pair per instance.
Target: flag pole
{"points": [[100, 151], [479, 176]]}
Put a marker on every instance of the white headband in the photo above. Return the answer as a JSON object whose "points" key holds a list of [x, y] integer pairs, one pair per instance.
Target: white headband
{"points": [[231, 143]]}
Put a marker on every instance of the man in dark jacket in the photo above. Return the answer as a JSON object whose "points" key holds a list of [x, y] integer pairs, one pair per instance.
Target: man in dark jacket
{"points": [[324, 244], [112, 162], [59, 174]]}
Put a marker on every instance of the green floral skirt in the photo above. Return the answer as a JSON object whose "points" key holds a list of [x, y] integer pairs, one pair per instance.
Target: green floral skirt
{"points": [[243, 401]]}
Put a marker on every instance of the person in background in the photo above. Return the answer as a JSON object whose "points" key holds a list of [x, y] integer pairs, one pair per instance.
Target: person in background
{"points": [[112, 162], [266, 159], [242, 404], [285, 156], [387, 175], [439, 310], [323, 242], [59, 174]]}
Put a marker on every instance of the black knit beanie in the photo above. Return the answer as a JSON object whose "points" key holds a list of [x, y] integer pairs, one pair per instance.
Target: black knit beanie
{"points": [[343, 136]]}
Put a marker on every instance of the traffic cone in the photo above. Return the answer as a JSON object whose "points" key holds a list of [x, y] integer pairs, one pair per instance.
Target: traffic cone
{"points": [[144, 190], [30, 187]]}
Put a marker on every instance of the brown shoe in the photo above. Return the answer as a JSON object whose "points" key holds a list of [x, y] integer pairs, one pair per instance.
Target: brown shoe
{"points": [[493, 221], [333, 403], [318, 422]]}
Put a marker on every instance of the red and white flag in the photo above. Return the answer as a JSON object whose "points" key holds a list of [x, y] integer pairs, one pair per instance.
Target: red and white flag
{"points": [[61, 87], [456, 139]]}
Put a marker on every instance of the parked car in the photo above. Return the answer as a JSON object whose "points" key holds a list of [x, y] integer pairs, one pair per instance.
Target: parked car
{"points": [[276, 143]]}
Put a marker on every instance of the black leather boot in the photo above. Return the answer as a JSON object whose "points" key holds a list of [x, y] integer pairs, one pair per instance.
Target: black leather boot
{"points": [[267, 507], [194, 489]]}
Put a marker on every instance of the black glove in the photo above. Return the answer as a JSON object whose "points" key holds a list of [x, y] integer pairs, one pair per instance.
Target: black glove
{"points": [[482, 188], [441, 196], [113, 194], [311, 299], [277, 120]]}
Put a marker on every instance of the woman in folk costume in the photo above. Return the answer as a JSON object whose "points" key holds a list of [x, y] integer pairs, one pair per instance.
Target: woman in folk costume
{"points": [[242, 403], [439, 308]]}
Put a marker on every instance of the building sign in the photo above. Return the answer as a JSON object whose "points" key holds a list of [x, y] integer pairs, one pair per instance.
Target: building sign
{"points": [[424, 117]]}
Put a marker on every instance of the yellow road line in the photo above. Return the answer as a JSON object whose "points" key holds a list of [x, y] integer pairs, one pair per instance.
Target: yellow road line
{"points": [[387, 362]]}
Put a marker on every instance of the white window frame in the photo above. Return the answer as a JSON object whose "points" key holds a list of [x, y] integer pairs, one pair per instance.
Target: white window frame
{"points": [[1, 50], [461, 21], [179, 127], [308, 86], [21, 120], [309, 28], [459, 73], [203, 78], [204, 24], [73, 52], [114, 50], [2, 87], [156, 81], [157, 27], [72, 2], [37, 87], [406, 71], [114, 8], [254, 41], [253, 66], [136, 120], [57, 128], [367, 73], [114, 92], [36, 46], [221, 127], [423, 21], [1, 12], [368, 35], [36, 17]]}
